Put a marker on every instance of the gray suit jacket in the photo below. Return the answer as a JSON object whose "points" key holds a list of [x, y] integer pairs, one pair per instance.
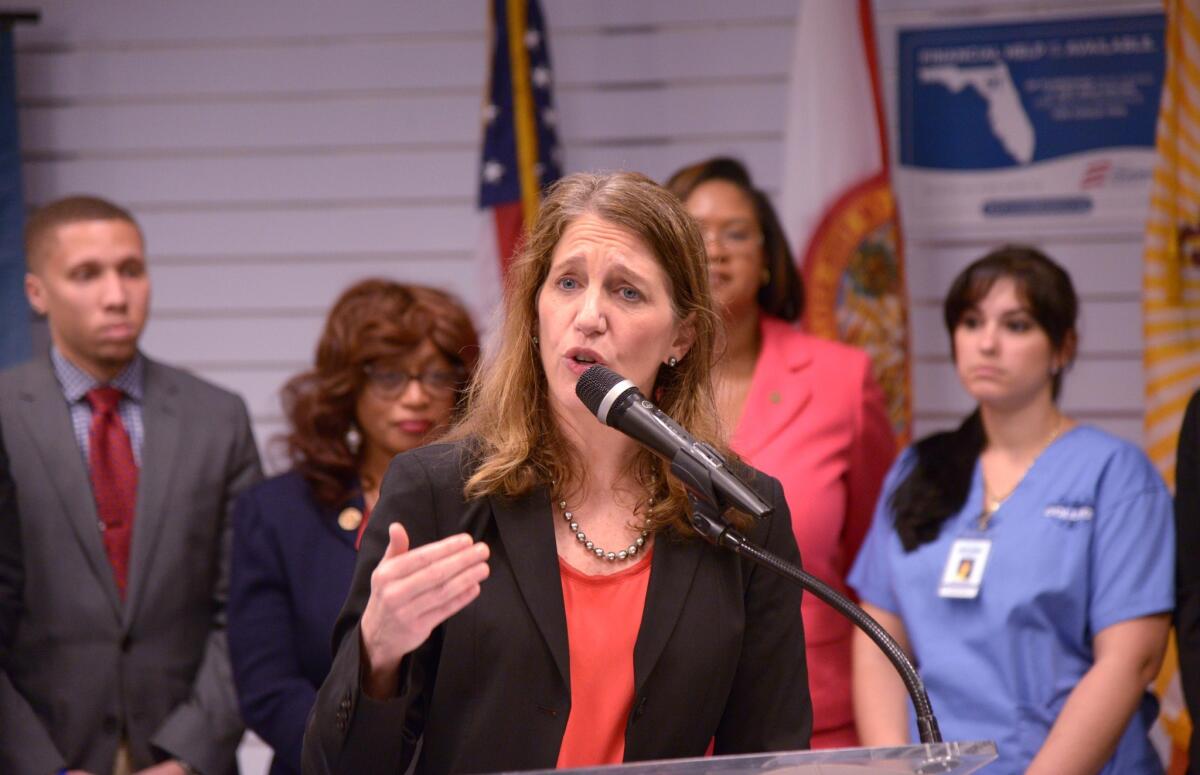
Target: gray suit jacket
{"points": [[85, 665]]}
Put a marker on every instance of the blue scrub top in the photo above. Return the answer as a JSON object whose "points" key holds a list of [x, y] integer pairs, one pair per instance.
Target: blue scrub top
{"points": [[1085, 541]]}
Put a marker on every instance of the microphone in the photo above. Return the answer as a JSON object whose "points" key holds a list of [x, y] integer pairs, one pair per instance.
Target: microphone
{"points": [[618, 403]]}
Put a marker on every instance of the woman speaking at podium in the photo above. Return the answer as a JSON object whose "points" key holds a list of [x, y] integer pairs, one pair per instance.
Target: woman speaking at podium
{"points": [[531, 594]]}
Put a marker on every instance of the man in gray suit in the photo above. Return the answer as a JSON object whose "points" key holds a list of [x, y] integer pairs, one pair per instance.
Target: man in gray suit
{"points": [[125, 470]]}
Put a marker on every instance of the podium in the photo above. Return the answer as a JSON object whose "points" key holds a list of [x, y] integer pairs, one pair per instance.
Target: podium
{"points": [[924, 759]]}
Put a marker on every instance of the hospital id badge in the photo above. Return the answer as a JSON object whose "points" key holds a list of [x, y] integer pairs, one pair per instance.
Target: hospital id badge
{"points": [[964, 568]]}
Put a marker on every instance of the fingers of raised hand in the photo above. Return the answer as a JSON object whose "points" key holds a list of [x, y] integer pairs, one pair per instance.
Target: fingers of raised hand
{"points": [[413, 592], [397, 541], [419, 581]]}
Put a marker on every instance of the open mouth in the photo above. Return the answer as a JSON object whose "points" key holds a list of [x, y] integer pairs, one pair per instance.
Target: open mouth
{"points": [[580, 359]]}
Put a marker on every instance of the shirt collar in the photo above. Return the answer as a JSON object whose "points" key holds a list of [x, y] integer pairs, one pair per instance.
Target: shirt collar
{"points": [[76, 382]]}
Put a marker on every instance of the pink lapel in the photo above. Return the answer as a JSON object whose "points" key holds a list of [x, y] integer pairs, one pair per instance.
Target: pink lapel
{"points": [[778, 390]]}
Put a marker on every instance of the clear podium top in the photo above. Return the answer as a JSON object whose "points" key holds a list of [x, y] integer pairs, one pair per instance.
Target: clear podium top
{"points": [[925, 759]]}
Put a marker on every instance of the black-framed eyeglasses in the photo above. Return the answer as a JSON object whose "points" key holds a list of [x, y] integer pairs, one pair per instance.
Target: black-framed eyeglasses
{"points": [[390, 384]]}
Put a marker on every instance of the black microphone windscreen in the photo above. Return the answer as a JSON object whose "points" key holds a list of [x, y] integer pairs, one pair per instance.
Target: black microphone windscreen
{"points": [[594, 384]]}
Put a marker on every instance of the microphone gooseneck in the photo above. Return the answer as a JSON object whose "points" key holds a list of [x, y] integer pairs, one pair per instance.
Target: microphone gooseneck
{"points": [[713, 488]]}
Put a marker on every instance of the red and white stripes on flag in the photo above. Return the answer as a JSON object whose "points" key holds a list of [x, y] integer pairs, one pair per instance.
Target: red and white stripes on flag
{"points": [[521, 154]]}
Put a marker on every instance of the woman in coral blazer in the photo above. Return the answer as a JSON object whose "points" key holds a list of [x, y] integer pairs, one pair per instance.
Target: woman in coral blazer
{"points": [[804, 410]]}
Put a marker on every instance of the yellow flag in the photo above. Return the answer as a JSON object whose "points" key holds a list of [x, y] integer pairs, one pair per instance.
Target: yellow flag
{"points": [[1171, 298]]}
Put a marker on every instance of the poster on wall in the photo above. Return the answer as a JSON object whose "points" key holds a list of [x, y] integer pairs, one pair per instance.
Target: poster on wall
{"points": [[1049, 122]]}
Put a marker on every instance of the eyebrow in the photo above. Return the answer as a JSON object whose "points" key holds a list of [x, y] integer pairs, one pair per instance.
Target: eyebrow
{"points": [[619, 265], [975, 309]]}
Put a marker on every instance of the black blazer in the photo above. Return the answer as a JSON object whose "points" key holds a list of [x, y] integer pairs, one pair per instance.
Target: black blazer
{"points": [[1187, 569], [719, 656], [11, 569]]}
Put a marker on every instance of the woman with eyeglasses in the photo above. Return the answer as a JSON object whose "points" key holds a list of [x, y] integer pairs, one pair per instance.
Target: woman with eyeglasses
{"points": [[802, 409], [390, 367]]}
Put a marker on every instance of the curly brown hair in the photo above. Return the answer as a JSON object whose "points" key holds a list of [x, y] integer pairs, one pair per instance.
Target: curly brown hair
{"points": [[509, 416], [372, 320]]}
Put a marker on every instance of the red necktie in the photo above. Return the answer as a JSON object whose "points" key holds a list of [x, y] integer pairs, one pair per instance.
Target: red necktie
{"points": [[114, 478]]}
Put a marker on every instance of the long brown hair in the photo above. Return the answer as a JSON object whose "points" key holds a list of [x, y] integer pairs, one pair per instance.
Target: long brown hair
{"points": [[372, 320], [508, 411]]}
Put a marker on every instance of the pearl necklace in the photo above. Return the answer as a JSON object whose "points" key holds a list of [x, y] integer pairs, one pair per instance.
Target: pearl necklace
{"points": [[627, 553]]}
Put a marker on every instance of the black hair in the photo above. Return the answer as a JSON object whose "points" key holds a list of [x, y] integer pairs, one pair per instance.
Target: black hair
{"points": [[783, 294], [938, 483]]}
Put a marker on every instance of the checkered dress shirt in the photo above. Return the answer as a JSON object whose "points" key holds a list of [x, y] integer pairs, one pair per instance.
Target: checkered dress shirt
{"points": [[76, 383]]}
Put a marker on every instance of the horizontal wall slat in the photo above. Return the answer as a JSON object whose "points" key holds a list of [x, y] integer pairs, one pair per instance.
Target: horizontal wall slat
{"points": [[249, 343], [297, 232], [1097, 264], [218, 290], [69, 21], [230, 182], [339, 123], [346, 123], [354, 175], [583, 60], [659, 160]]}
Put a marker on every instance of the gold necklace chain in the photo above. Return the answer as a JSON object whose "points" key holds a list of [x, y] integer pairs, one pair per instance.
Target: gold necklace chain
{"points": [[992, 503]]}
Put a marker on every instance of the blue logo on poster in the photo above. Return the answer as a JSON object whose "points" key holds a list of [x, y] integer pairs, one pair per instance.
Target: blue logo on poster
{"points": [[975, 98]]}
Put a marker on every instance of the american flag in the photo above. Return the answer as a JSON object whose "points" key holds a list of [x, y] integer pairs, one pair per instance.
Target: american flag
{"points": [[521, 153]]}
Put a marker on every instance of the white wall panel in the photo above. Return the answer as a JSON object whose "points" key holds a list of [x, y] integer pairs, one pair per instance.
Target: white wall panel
{"points": [[333, 122], [309, 67], [311, 230], [354, 176], [191, 287], [1099, 266]]}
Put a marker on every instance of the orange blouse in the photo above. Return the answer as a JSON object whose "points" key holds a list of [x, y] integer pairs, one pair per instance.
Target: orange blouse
{"points": [[604, 614]]}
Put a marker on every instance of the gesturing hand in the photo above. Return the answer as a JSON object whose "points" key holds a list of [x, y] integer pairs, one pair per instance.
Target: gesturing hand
{"points": [[411, 593]]}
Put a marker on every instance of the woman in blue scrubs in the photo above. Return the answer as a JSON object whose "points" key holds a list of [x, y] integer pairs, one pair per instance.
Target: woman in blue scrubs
{"points": [[1025, 561]]}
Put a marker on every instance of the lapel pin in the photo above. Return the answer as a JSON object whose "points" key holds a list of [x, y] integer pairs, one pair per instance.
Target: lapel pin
{"points": [[775, 397], [350, 518]]}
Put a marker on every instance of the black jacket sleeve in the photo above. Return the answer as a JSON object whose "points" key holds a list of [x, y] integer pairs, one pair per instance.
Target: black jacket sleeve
{"points": [[11, 567], [1187, 569]]}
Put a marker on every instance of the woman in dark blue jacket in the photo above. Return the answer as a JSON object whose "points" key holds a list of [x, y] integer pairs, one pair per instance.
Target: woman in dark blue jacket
{"points": [[389, 370]]}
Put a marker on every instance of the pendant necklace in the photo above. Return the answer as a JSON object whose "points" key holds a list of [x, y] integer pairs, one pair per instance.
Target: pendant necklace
{"points": [[991, 502]]}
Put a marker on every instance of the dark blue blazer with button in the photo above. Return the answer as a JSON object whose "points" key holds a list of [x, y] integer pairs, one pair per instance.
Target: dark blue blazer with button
{"points": [[292, 566]]}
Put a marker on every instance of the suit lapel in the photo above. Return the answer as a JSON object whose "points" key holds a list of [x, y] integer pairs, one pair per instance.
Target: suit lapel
{"points": [[778, 390], [672, 569], [527, 532], [48, 423], [160, 416]]}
